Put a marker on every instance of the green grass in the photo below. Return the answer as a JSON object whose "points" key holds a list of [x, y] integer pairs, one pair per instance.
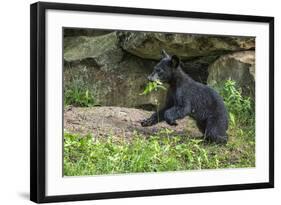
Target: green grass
{"points": [[163, 151], [78, 95], [160, 152]]}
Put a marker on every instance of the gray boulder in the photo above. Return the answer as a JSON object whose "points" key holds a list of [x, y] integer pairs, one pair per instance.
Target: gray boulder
{"points": [[114, 66], [115, 85], [186, 46], [238, 66], [104, 49]]}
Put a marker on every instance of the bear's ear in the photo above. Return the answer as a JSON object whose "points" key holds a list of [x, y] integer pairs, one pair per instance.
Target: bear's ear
{"points": [[164, 54], [175, 61]]}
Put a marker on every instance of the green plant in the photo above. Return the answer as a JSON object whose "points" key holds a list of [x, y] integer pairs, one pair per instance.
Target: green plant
{"points": [[153, 86], [78, 95], [89, 156], [239, 107], [165, 150]]}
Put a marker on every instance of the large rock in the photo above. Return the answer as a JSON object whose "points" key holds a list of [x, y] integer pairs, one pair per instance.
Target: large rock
{"points": [[114, 66], [114, 85], [187, 46], [238, 66], [115, 78], [104, 49]]}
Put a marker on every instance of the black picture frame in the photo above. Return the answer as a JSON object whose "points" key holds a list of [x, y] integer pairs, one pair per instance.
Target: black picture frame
{"points": [[38, 101]]}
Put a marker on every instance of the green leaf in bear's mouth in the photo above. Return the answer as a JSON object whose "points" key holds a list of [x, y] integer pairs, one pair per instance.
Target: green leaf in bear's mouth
{"points": [[153, 86]]}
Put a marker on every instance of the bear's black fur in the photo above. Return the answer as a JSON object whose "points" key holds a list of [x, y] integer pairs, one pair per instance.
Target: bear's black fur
{"points": [[187, 97]]}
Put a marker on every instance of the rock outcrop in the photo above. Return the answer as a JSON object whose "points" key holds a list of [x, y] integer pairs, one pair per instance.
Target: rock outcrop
{"points": [[238, 66], [114, 65], [186, 46]]}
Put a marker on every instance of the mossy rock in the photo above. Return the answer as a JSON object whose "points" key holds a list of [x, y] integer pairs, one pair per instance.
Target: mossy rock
{"points": [[238, 66], [187, 46]]}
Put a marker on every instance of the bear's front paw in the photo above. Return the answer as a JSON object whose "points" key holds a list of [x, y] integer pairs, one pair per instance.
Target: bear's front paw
{"points": [[171, 122], [146, 122], [168, 118]]}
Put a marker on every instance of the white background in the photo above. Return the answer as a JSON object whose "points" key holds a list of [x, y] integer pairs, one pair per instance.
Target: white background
{"points": [[56, 185], [14, 101]]}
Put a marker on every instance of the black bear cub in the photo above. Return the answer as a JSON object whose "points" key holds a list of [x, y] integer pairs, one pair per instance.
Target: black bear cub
{"points": [[187, 97]]}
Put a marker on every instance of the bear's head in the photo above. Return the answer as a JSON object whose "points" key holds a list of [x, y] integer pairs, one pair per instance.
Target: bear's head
{"points": [[164, 70]]}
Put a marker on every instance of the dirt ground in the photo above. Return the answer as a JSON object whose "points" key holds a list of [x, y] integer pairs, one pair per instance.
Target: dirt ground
{"points": [[119, 121]]}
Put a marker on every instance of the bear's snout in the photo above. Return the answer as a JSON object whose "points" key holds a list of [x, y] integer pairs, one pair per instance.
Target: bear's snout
{"points": [[150, 78]]}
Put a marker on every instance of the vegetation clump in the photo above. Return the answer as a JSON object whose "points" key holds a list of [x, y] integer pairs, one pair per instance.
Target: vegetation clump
{"points": [[162, 151], [78, 95]]}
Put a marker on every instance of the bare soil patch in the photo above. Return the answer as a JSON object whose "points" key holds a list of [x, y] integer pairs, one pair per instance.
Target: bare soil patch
{"points": [[120, 122]]}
